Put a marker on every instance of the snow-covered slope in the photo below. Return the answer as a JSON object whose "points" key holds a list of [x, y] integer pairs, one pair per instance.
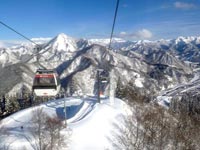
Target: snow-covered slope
{"points": [[91, 123]]}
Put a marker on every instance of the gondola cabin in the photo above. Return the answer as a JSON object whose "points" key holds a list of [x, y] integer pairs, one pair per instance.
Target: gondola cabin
{"points": [[46, 83]]}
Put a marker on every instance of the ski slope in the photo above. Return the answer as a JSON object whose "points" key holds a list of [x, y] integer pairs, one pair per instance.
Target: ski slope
{"points": [[193, 86], [91, 123]]}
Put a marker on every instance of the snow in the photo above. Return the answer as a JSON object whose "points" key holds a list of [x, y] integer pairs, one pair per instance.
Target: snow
{"points": [[138, 82], [185, 39], [164, 101], [106, 41], [91, 123], [3, 59], [166, 95], [64, 42], [100, 127]]}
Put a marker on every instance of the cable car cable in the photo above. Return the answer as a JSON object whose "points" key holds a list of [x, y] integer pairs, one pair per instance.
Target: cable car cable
{"points": [[19, 33], [38, 47], [113, 26]]}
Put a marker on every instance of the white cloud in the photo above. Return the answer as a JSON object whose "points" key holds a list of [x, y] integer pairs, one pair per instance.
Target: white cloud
{"points": [[183, 5], [123, 33], [41, 39], [9, 43], [139, 35], [2, 44], [144, 33]]}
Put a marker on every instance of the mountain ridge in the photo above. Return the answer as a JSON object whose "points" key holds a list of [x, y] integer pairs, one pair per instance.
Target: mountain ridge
{"points": [[153, 65]]}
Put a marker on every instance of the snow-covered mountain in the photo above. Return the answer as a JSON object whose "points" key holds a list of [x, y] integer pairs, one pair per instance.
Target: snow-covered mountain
{"points": [[185, 48], [116, 43], [149, 65], [164, 69]]}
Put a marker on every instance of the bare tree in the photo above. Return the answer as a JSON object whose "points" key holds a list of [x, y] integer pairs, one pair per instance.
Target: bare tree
{"points": [[156, 124], [128, 134], [36, 136], [45, 132], [186, 132], [155, 128], [56, 139], [148, 127]]}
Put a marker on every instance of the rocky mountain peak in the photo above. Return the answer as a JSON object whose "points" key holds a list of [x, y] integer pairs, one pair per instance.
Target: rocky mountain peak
{"points": [[62, 42]]}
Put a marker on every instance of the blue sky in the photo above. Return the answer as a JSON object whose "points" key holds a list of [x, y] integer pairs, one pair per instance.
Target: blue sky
{"points": [[136, 20]]}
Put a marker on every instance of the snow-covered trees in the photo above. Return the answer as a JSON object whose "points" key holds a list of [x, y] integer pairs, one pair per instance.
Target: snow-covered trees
{"points": [[12, 104], [150, 126], [156, 129]]}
